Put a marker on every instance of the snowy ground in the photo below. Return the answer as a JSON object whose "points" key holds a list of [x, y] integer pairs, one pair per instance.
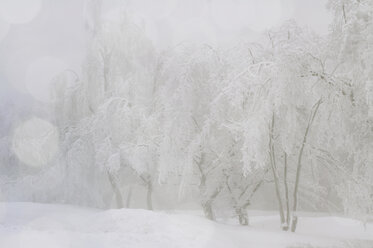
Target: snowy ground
{"points": [[31, 225]]}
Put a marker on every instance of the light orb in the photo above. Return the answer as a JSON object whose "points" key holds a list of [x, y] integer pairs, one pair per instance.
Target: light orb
{"points": [[35, 142]]}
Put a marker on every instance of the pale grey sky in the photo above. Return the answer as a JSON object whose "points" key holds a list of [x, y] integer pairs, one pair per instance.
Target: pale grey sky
{"points": [[33, 32]]}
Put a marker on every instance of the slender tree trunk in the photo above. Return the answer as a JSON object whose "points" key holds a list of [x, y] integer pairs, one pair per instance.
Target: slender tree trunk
{"points": [[206, 204], [286, 192], [242, 216], [117, 193], [149, 200], [129, 195], [105, 56], [239, 209], [207, 210], [294, 220], [344, 13], [274, 171], [106, 72], [243, 211]]}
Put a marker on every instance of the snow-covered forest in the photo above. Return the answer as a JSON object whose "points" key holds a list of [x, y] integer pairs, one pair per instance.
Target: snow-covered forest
{"points": [[183, 137]]}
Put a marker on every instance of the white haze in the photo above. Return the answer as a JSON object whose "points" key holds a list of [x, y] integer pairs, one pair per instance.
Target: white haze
{"points": [[186, 123]]}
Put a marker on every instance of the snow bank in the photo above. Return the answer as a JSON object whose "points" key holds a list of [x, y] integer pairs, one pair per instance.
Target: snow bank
{"points": [[31, 225]]}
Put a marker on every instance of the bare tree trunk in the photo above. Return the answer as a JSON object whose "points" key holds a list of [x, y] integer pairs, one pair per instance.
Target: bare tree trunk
{"points": [[274, 171], [117, 193], [207, 210], [244, 219], [240, 210], [242, 216], [206, 204], [286, 192], [344, 13], [149, 200], [129, 195], [294, 221], [149, 187], [105, 56]]}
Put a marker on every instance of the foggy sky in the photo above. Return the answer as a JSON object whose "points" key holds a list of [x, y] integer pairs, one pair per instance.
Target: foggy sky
{"points": [[56, 29]]}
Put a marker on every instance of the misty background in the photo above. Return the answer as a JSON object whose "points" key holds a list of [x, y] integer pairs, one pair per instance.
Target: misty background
{"points": [[213, 115], [40, 39], [33, 30]]}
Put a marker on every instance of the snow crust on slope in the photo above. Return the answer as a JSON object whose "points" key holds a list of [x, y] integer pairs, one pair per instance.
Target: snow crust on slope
{"points": [[31, 225]]}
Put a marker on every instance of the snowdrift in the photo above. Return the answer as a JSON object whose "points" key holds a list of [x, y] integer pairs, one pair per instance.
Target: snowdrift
{"points": [[32, 225]]}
